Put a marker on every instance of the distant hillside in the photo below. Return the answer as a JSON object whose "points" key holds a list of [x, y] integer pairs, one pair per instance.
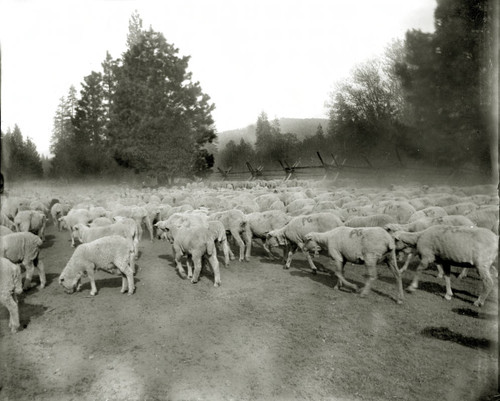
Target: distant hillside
{"points": [[302, 127]]}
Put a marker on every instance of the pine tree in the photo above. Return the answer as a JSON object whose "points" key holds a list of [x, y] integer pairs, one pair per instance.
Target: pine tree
{"points": [[160, 119]]}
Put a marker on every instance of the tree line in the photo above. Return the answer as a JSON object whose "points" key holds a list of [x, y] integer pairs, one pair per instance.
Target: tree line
{"points": [[427, 98]]}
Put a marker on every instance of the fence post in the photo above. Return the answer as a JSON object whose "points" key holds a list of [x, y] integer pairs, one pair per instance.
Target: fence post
{"points": [[225, 173], [255, 173], [289, 171]]}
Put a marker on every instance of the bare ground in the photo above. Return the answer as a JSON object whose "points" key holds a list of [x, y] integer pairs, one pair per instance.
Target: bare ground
{"points": [[265, 334]]}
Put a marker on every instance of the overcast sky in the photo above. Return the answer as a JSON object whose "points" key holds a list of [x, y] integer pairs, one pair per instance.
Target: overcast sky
{"points": [[278, 56]]}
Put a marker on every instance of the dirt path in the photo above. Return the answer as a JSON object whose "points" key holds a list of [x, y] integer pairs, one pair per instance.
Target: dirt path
{"points": [[265, 334]]}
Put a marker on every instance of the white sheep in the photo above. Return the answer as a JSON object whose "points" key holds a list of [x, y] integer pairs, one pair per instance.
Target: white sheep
{"points": [[74, 217], [292, 235], [194, 241], [235, 222], [5, 231], [32, 221], [10, 287], [57, 211], [87, 234], [24, 248], [458, 246], [261, 223], [113, 254], [5, 221], [368, 245]]}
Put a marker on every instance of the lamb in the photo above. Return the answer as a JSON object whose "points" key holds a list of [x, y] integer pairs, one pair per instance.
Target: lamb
{"points": [[292, 235], [260, 223], [368, 245], [31, 221], [57, 211], [74, 217], [10, 287], [235, 222], [195, 242], [24, 248], [113, 254], [139, 214], [87, 234], [459, 246], [375, 220]]}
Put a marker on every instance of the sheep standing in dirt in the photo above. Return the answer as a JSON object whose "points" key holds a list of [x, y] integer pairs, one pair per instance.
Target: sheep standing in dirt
{"points": [[195, 242], [10, 287], [5, 221], [24, 248], [261, 223], [236, 223], [74, 217], [457, 246], [218, 232], [87, 234], [368, 245], [292, 235], [113, 254], [31, 221], [57, 211]]}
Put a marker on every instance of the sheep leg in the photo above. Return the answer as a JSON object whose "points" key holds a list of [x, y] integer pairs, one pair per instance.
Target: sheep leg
{"points": [[447, 272], [124, 284], [463, 273], [129, 274], [226, 251], [339, 272], [371, 266], [30, 269], [214, 262], [424, 263], [189, 263], [393, 267], [41, 270], [91, 274], [291, 251], [484, 273], [309, 259], [441, 273], [241, 244], [197, 268], [247, 239], [407, 263], [11, 305], [178, 254]]}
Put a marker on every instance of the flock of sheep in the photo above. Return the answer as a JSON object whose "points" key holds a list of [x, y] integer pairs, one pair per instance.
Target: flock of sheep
{"points": [[448, 226]]}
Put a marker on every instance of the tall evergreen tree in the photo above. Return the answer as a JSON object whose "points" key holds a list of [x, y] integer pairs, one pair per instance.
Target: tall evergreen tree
{"points": [[160, 119]]}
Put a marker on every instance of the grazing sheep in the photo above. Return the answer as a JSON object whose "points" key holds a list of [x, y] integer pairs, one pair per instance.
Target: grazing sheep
{"points": [[10, 287], [463, 208], [421, 225], [31, 221], [292, 235], [113, 254], [402, 211], [195, 242], [87, 234], [260, 223], [375, 220], [235, 222], [24, 248], [368, 245], [40, 206], [457, 246]]}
